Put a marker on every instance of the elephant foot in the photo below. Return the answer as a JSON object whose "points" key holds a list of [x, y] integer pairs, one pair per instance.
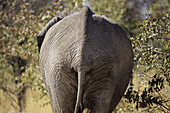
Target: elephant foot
{"points": [[86, 110]]}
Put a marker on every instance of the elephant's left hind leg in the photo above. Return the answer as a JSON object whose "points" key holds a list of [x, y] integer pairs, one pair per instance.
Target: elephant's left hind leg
{"points": [[63, 92]]}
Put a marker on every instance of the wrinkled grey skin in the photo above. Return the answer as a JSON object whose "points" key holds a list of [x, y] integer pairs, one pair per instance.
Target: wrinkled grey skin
{"points": [[86, 61]]}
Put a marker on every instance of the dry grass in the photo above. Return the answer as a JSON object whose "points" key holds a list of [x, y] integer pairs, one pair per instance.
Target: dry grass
{"points": [[31, 106]]}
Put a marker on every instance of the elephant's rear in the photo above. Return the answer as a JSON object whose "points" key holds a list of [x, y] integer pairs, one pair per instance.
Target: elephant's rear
{"points": [[88, 54]]}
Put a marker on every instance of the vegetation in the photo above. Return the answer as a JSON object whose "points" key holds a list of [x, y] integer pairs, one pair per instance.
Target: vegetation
{"points": [[149, 89], [151, 47]]}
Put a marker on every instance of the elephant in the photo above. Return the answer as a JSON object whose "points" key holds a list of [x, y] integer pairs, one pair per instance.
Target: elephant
{"points": [[86, 62]]}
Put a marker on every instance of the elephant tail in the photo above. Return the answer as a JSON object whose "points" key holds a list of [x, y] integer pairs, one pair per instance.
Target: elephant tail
{"points": [[81, 79]]}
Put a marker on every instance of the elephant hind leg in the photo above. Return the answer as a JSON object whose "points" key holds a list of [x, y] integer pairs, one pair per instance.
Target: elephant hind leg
{"points": [[63, 90], [97, 98], [86, 110]]}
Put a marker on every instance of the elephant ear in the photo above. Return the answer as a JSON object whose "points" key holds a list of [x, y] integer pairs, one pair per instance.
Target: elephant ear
{"points": [[41, 35]]}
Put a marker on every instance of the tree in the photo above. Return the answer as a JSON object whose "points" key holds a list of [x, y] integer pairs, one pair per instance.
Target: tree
{"points": [[151, 47]]}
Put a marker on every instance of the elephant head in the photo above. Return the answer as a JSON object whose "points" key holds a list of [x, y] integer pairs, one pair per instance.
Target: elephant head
{"points": [[86, 62]]}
